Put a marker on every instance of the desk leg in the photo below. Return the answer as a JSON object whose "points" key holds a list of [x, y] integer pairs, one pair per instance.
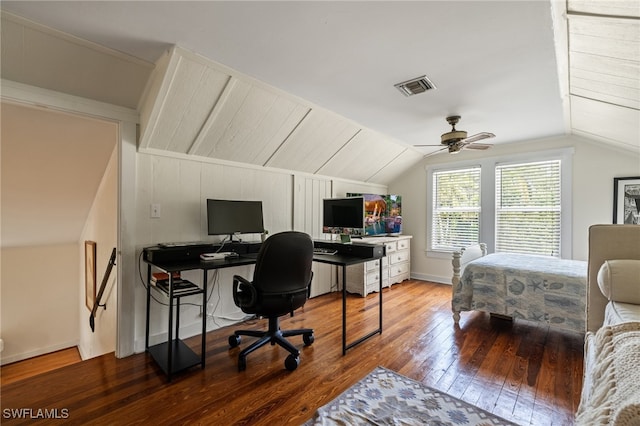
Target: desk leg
{"points": [[177, 318], [146, 331], [344, 310], [204, 317], [170, 331], [380, 293]]}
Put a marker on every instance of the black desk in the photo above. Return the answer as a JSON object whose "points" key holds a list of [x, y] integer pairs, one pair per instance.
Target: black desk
{"points": [[173, 355], [344, 261]]}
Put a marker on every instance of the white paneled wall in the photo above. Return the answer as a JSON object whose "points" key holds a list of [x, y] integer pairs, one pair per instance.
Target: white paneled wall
{"points": [[195, 106], [307, 208], [308, 193], [181, 185]]}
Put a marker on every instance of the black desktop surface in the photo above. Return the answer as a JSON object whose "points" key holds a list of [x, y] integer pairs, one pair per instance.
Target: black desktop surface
{"points": [[190, 264], [188, 257], [354, 249], [340, 259], [162, 254]]}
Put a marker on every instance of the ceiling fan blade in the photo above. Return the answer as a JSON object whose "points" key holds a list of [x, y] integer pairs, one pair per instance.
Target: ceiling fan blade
{"points": [[477, 146], [434, 152], [478, 137], [421, 146]]}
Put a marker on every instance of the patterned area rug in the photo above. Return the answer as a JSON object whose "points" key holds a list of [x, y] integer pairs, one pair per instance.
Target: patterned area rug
{"points": [[384, 397]]}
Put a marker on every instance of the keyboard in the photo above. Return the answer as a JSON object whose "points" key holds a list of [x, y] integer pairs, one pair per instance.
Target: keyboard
{"points": [[318, 250], [184, 244]]}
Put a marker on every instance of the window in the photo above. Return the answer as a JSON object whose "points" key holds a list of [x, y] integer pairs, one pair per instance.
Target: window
{"points": [[516, 203], [528, 208], [456, 208]]}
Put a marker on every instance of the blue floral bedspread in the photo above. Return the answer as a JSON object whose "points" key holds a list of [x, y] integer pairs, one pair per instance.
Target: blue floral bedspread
{"points": [[536, 288]]}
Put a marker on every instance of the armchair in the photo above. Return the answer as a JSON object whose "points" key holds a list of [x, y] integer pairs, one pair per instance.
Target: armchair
{"points": [[280, 285]]}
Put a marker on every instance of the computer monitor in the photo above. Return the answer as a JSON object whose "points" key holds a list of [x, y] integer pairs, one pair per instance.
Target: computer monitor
{"points": [[230, 217], [343, 216]]}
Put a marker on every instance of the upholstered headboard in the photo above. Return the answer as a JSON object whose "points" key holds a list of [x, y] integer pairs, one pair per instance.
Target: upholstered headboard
{"points": [[607, 242]]}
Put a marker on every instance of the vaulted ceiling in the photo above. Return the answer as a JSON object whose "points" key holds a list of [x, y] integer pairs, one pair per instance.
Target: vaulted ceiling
{"points": [[309, 86]]}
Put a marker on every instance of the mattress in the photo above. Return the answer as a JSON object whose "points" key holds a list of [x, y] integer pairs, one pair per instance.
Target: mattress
{"points": [[536, 288], [618, 312]]}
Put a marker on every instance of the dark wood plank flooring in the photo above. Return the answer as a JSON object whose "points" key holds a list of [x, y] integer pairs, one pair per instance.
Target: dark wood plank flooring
{"points": [[37, 365], [525, 372]]}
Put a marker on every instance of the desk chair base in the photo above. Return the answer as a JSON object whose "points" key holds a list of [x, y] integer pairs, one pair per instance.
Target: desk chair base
{"points": [[273, 335]]}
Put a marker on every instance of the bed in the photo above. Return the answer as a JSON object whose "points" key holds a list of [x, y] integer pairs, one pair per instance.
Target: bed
{"points": [[520, 286]]}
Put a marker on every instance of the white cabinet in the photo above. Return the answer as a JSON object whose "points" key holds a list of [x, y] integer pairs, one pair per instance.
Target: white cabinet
{"points": [[396, 266]]}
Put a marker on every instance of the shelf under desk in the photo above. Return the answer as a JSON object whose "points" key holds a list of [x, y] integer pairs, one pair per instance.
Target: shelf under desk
{"points": [[173, 355]]}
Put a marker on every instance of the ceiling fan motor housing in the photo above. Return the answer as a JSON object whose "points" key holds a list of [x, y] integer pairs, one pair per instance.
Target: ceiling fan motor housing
{"points": [[453, 137]]}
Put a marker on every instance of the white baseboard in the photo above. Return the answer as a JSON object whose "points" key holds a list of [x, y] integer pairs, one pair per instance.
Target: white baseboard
{"points": [[4, 359], [432, 278]]}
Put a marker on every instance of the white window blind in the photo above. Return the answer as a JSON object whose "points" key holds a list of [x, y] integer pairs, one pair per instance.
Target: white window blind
{"points": [[528, 208], [455, 218]]}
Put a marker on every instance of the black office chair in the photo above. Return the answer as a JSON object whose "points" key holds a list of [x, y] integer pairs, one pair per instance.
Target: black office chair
{"points": [[280, 285]]}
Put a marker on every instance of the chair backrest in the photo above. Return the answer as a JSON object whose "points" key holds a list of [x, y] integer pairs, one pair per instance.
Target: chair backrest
{"points": [[284, 264]]}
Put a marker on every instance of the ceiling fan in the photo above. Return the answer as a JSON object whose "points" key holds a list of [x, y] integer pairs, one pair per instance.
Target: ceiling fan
{"points": [[456, 140]]}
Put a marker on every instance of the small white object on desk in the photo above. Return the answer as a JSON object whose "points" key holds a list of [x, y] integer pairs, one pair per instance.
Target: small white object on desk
{"points": [[218, 256]]}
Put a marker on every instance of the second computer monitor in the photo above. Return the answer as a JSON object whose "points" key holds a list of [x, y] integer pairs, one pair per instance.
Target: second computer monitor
{"points": [[343, 216]]}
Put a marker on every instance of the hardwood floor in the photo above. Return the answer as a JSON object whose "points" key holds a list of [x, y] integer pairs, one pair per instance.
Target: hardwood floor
{"points": [[525, 372], [37, 365]]}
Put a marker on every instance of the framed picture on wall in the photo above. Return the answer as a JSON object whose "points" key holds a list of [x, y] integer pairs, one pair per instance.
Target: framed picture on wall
{"points": [[90, 273], [626, 200]]}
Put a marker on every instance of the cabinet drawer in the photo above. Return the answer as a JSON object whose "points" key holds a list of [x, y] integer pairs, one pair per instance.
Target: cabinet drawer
{"points": [[390, 247], [398, 269], [403, 244], [372, 278], [374, 287], [373, 265], [398, 257]]}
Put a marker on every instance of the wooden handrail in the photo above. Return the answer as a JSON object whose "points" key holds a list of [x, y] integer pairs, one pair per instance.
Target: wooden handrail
{"points": [[112, 262]]}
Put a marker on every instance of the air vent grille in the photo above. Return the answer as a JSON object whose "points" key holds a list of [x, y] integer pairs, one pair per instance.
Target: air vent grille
{"points": [[415, 86]]}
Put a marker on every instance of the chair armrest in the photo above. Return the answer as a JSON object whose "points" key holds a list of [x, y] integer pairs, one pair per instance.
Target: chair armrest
{"points": [[239, 279], [244, 293]]}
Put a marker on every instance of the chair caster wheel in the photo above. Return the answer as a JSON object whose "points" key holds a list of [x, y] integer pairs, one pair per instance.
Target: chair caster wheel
{"points": [[292, 362], [242, 363], [234, 341], [308, 339]]}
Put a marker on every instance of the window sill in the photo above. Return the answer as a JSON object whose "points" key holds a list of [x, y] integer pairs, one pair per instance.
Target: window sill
{"points": [[439, 254]]}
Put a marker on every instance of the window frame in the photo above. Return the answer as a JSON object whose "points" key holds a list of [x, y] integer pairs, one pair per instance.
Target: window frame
{"points": [[477, 209], [488, 195], [537, 174]]}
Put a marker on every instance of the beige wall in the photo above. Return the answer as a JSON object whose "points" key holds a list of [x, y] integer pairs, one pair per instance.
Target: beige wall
{"points": [[39, 300], [101, 227], [594, 167], [60, 164]]}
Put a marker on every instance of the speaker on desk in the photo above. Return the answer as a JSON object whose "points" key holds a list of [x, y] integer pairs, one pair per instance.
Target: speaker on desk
{"points": [[157, 254]]}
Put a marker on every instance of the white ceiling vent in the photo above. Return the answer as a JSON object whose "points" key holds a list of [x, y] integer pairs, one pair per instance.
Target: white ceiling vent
{"points": [[415, 86]]}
